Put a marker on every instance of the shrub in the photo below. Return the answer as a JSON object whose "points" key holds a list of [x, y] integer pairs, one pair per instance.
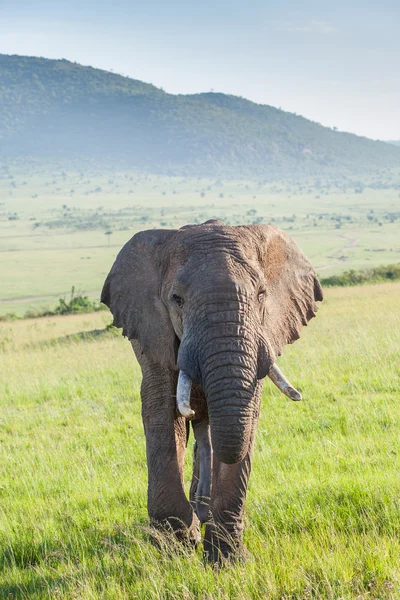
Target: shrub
{"points": [[374, 275], [8, 317], [77, 303]]}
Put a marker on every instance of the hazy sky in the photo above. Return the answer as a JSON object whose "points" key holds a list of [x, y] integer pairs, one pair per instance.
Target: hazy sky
{"points": [[336, 62]]}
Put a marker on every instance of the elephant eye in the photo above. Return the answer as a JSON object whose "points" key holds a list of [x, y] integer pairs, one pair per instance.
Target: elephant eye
{"points": [[178, 300], [261, 294]]}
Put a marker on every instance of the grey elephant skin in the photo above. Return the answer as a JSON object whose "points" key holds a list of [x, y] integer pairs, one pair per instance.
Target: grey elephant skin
{"points": [[215, 304]]}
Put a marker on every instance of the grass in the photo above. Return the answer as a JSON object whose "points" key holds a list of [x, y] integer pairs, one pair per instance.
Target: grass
{"points": [[323, 510], [53, 223]]}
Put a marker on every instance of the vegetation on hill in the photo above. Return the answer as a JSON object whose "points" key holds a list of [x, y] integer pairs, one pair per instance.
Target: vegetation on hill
{"points": [[353, 277], [58, 109]]}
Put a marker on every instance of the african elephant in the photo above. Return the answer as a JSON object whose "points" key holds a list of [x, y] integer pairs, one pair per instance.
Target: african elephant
{"points": [[208, 309]]}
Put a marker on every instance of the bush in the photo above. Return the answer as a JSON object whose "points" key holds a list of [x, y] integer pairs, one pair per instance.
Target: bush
{"points": [[374, 275], [8, 317], [76, 304]]}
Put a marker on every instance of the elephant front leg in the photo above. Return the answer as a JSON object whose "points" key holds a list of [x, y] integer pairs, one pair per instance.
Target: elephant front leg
{"points": [[165, 433], [224, 533]]}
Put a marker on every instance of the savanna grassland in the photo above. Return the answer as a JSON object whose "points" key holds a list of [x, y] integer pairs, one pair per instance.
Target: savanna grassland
{"points": [[323, 510], [62, 227]]}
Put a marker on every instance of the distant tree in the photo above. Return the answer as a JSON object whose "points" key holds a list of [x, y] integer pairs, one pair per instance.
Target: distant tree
{"points": [[108, 234]]}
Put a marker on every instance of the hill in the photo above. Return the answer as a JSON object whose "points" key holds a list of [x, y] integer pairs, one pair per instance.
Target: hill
{"points": [[58, 109]]}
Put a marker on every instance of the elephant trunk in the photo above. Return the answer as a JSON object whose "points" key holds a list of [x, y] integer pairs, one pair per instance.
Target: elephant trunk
{"points": [[224, 362], [230, 411], [229, 380], [222, 353], [230, 433]]}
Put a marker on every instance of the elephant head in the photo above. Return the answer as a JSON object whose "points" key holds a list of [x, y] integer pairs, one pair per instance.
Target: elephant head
{"points": [[218, 304]]}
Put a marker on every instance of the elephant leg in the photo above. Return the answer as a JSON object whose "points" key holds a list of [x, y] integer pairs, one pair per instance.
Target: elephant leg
{"points": [[200, 489], [224, 534], [223, 537], [166, 434]]}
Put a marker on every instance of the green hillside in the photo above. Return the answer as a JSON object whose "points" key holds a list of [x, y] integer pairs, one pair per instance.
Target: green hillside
{"points": [[58, 109]]}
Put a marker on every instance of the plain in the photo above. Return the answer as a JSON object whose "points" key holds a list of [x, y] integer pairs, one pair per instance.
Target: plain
{"points": [[323, 511], [61, 228]]}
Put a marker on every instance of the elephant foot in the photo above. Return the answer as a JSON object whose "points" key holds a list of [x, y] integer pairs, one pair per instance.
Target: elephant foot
{"points": [[221, 547], [164, 534]]}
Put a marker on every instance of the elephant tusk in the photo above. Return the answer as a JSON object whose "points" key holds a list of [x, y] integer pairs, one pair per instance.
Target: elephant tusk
{"points": [[183, 395], [278, 378]]}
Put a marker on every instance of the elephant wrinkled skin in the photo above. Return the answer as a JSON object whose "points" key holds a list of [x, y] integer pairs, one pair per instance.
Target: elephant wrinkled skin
{"points": [[216, 304]]}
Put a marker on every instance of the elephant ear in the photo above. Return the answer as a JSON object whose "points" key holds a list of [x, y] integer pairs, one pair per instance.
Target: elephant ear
{"points": [[132, 291], [292, 285]]}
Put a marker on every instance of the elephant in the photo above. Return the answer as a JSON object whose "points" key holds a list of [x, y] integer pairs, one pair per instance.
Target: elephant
{"points": [[208, 308]]}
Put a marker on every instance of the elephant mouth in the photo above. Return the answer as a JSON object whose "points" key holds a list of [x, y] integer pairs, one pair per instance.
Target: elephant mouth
{"points": [[185, 385]]}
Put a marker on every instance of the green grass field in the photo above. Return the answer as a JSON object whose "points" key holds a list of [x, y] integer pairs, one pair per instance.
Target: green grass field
{"points": [[53, 222], [323, 509]]}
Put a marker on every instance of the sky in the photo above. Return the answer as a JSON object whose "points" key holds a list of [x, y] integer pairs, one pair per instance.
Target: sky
{"points": [[335, 62]]}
